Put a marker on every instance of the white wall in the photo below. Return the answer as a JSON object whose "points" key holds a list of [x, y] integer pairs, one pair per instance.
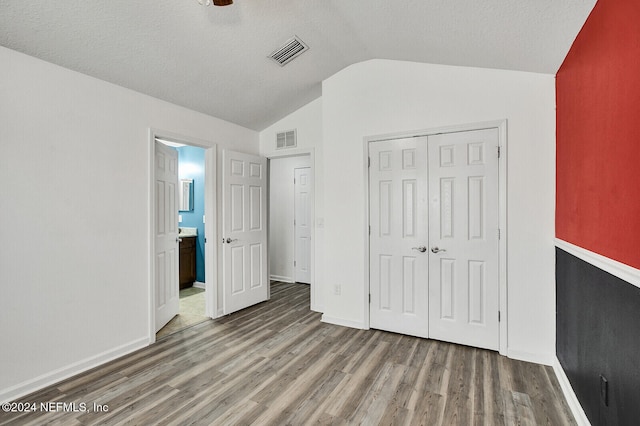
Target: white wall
{"points": [[281, 214], [380, 97], [308, 123], [74, 221]]}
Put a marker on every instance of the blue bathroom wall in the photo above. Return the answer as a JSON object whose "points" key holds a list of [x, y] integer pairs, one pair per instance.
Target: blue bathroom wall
{"points": [[191, 166]]}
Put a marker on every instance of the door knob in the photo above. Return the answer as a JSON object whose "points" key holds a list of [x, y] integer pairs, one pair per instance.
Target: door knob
{"points": [[436, 250], [421, 249], [229, 240]]}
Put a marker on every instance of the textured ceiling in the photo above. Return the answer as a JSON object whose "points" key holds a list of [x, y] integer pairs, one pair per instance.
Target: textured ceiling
{"points": [[214, 59]]}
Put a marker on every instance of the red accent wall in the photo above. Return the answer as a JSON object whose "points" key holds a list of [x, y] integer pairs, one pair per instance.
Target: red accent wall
{"points": [[598, 135]]}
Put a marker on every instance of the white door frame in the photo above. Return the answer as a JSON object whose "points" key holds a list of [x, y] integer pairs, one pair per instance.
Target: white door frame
{"points": [[501, 125], [210, 211], [298, 152]]}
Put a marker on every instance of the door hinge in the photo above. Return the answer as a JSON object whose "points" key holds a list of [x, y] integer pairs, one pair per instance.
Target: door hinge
{"points": [[498, 152], [294, 263], [205, 241], [368, 161], [369, 229], [499, 233], [498, 316], [369, 297]]}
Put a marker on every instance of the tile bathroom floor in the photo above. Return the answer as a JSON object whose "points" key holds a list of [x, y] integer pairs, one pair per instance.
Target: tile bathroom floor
{"points": [[192, 311]]}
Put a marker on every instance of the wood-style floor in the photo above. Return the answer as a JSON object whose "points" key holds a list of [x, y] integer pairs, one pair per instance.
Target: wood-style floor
{"points": [[276, 363]]}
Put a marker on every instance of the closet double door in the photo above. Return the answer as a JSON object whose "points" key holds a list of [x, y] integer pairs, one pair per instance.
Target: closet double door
{"points": [[433, 212]]}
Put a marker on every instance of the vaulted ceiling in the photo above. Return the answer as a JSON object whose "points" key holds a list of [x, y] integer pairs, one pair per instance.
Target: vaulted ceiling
{"points": [[214, 59]]}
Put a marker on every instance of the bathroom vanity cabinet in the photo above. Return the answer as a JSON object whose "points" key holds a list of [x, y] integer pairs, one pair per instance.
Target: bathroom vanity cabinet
{"points": [[187, 261]]}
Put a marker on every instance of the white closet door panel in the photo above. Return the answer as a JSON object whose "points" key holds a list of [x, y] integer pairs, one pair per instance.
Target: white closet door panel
{"points": [[398, 218], [463, 265]]}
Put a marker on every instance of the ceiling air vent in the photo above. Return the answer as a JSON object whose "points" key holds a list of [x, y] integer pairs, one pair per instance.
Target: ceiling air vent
{"points": [[286, 139], [292, 48]]}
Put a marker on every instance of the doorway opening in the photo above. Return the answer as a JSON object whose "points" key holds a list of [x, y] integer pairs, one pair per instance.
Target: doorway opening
{"points": [[291, 220], [191, 230], [183, 275]]}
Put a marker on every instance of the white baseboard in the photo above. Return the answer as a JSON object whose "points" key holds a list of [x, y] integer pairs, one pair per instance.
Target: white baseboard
{"points": [[570, 396], [537, 358], [317, 308], [342, 322], [198, 284], [615, 268], [47, 379], [282, 278]]}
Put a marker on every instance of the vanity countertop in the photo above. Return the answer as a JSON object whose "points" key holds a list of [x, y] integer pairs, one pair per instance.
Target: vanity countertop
{"points": [[188, 232]]}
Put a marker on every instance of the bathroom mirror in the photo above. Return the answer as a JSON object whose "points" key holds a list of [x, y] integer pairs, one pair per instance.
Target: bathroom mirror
{"points": [[185, 195]]}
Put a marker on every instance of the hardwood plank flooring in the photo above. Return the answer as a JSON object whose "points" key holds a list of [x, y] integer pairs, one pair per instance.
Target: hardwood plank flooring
{"points": [[276, 364]]}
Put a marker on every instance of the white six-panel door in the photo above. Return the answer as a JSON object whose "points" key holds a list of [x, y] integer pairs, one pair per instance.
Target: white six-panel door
{"points": [[438, 193], [166, 234], [463, 238], [302, 225], [398, 240], [244, 230]]}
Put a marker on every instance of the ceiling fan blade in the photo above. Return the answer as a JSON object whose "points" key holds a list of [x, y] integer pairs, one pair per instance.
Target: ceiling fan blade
{"points": [[222, 2]]}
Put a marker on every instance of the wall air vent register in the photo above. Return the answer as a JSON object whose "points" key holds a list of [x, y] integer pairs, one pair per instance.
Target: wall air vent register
{"points": [[286, 139]]}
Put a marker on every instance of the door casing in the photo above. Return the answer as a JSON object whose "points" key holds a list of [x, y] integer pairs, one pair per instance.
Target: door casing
{"points": [[501, 125]]}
